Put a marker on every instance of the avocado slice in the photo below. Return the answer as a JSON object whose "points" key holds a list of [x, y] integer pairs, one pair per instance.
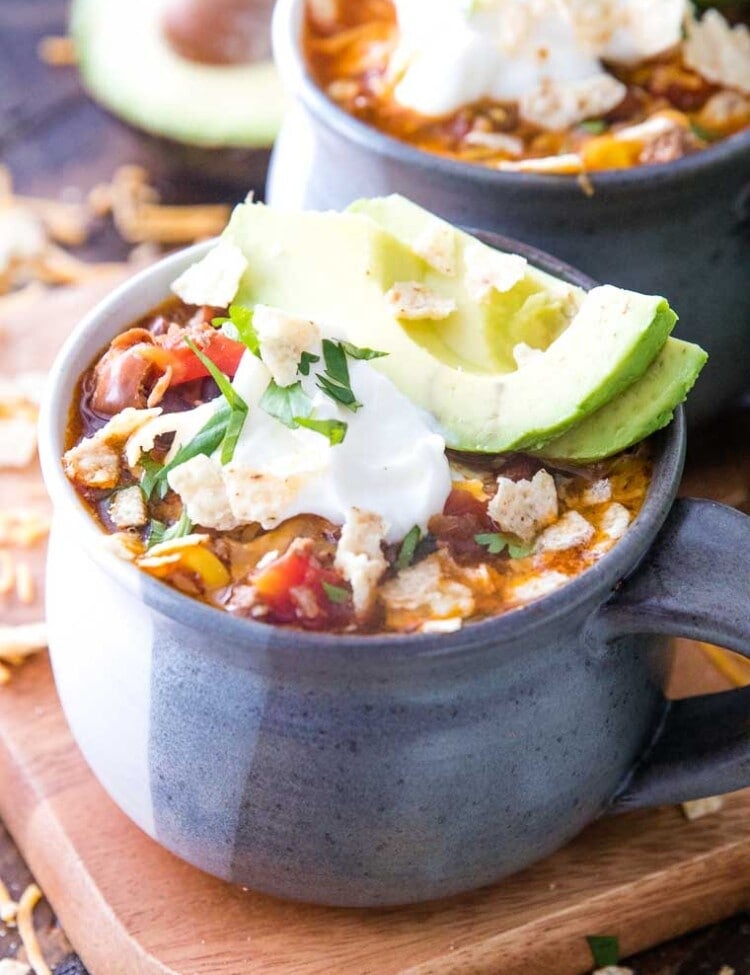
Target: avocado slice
{"points": [[127, 64], [646, 406], [337, 268], [480, 335]]}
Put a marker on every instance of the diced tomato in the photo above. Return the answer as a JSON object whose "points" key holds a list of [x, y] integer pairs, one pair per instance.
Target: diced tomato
{"points": [[186, 366], [292, 588]]}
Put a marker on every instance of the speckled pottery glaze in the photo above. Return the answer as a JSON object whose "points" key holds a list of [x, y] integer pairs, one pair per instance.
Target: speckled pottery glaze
{"points": [[370, 771], [680, 229]]}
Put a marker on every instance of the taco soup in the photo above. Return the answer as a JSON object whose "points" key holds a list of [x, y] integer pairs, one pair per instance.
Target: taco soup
{"points": [[550, 86], [372, 422]]}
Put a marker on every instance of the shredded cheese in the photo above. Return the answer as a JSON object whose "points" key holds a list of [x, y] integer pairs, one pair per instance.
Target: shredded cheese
{"points": [[25, 585], [8, 906], [25, 921]]}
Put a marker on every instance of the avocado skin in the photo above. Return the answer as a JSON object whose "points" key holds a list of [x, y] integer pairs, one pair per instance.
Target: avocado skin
{"points": [[643, 408]]}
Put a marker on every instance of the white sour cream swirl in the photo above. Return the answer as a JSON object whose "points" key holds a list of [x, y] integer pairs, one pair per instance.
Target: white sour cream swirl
{"points": [[453, 52]]}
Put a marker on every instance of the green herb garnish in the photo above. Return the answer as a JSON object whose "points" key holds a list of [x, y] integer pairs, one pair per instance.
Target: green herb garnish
{"points": [[286, 403], [208, 439], [408, 548], [594, 125], [160, 533], [237, 405], [335, 593], [335, 382], [702, 133], [605, 950], [335, 430], [355, 352], [307, 359], [497, 542], [241, 321], [151, 475]]}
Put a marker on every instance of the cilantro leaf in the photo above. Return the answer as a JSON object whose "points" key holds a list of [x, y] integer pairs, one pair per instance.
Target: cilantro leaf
{"points": [[335, 593], [703, 133], [161, 533], [237, 405], [208, 439], [497, 542], [335, 381], [335, 430], [519, 551], [156, 532], [286, 403], [605, 949], [337, 368], [307, 359], [355, 352], [494, 542], [341, 394], [240, 321], [151, 472], [596, 126], [408, 548]]}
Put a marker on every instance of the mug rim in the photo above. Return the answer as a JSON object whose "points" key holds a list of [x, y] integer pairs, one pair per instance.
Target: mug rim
{"points": [[102, 323], [291, 64]]}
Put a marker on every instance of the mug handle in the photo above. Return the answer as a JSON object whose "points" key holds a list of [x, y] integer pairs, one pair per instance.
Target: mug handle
{"points": [[694, 582]]}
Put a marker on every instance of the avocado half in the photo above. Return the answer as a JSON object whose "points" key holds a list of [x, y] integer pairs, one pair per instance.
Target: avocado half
{"points": [[127, 64]]}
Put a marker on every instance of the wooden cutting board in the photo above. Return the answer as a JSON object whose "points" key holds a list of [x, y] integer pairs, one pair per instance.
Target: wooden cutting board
{"points": [[131, 908]]}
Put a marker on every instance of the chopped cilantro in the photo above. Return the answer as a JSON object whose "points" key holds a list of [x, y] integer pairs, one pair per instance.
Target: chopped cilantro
{"points": [[355, 352], [497, 542], [702, 133], [208, 439], [240, 321], [151, 474], [307, 360], [408, 548], [335, 430], [336, 593], [335, 382], [160, 533], [596, 126], [286, 403], [605, 949], [238, 407]]}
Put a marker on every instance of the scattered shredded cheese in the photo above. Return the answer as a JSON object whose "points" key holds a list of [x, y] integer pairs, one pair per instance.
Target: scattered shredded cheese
{"points": [[25, 921], [8, 906]]}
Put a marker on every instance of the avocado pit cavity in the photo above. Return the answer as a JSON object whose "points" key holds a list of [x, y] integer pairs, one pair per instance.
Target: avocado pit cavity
{"points": [[219, 32]]}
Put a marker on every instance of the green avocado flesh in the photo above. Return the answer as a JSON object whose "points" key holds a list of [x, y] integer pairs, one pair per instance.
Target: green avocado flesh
{"points": [[337, 269], [645, 406], [127, 65], [480, 335]]}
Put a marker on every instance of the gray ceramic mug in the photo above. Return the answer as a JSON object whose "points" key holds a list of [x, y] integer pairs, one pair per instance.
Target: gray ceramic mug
{"points": [[680, 229], [386, 770]]}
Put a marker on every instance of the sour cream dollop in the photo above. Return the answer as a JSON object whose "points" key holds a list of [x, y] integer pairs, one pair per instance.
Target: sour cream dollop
{"points": [[391, 463], [453, 52]]}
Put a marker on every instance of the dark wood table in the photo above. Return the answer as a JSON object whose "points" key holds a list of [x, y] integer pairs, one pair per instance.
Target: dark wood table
{"points": [[52, 138]]}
